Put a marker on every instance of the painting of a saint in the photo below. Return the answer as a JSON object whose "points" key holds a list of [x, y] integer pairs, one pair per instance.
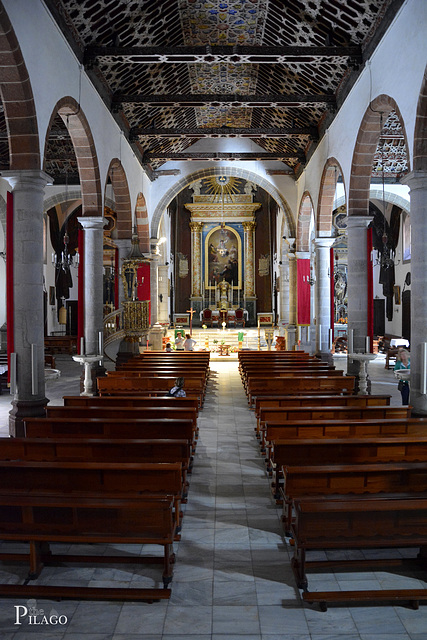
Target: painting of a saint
{"points": [[222, 252]]}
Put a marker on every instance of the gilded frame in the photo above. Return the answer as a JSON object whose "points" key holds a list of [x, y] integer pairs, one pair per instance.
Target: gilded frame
{"points": [[210, 265]]}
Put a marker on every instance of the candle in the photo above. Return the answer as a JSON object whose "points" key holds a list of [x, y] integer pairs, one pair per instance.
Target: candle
{"points": [[367, 344], [308, 334], [13, 373], [82, 346], [320, 337], [100, 346], [330, 339]]}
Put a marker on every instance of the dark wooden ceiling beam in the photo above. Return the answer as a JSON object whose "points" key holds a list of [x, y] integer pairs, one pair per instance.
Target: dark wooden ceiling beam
{"points": [[216, 54], [216, 156], [223, 132], [230, 100]]}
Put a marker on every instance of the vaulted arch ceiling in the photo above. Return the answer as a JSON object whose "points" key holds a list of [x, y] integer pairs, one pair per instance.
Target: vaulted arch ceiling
{"points": [[176, 71]]}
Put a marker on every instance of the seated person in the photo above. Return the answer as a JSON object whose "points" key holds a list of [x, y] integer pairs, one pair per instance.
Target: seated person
{"points": [[169, 347], [177, 390]]}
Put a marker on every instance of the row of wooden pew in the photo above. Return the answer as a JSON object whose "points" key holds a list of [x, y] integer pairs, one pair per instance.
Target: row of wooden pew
{"points": [[153, 373], [109, 470], [350, 472]]}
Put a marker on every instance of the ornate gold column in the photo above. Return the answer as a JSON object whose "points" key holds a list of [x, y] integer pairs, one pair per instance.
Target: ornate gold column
{"points": [[249, 228], [196, 259]]}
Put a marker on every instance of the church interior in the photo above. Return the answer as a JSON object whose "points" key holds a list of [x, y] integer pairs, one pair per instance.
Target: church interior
{"points": [[232, 192]]}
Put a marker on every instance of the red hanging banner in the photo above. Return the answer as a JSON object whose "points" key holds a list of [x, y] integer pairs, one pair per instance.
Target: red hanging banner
{"points": [[303, 291], [143, 291]]}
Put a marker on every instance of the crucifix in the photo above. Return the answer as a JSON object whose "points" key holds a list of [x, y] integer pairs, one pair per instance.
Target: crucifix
{"points": [[191, 319]]}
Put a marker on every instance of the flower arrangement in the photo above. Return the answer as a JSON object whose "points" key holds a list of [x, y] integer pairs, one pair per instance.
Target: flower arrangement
{"points": [[342, 320], [204, 326]]}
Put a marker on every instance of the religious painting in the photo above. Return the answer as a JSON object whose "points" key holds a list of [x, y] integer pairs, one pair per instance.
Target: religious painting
{"points": [[223, 257], [396, 291], [406, 237]]}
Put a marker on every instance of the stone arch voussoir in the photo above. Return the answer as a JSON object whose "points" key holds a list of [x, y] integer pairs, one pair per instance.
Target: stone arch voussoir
{"points": [[328, 184], [84, 148], [303, 227], [123, 209], [18, 100], [363, 156], [218, 171]]}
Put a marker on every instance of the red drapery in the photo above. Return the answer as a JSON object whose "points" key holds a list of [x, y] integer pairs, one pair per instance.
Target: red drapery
{"points": [[9, 280], [303, 289], [80, 292], [144, 288]]}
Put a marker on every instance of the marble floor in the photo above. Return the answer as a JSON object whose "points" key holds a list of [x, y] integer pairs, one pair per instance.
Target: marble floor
{"points": [[232, 577]]}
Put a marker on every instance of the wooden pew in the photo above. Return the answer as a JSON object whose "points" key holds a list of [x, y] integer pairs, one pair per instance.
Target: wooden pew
{"points": [[100, 411], [128, 385], [368, 478], [282, 415], [366, 522], [99, 450], [60, 344], [318, 401], [141, 428], [93, 479], [131, 401], [41, 519], [305, 385]]}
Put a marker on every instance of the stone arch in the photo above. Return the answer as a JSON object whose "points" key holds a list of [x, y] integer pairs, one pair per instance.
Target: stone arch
{"points": [[377, 194], [122, 206], [84, 148], [303, 227], [142, 226], [363, 156], [18, 100], [220, 171], [328, 186], [420, 137]]}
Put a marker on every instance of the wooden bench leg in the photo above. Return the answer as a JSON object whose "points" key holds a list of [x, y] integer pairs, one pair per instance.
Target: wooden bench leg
{"points": [[298, 567], [37, 551], [169, 560]]}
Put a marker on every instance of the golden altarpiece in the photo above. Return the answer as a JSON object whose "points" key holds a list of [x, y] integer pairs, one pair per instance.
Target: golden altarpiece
{"points": [[222, 227]]}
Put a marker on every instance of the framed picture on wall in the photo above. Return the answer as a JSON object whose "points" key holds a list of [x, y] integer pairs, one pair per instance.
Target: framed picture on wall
{"points": [[396, 291], [52, 296]]}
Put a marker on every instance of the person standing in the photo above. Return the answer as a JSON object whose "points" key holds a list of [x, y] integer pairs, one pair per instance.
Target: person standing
{"points": [[189, 343], [403, 362], [179, 342]]}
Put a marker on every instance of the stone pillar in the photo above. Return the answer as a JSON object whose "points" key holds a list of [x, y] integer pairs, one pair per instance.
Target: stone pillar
{"points": [[28, 317], [154, 259], [284, 290], [124, 246], [291, 329], [196, 259], [417, 182], [249, 279], [357, 286], [323, 293], [93, 227], [163, 286]]}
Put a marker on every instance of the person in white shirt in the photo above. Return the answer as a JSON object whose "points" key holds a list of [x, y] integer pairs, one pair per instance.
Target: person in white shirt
{"points": [[189, 343], [179, 342]]}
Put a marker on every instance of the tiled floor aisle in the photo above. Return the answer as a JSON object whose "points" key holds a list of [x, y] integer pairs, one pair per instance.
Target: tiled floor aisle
{"points": [[232, 577]]}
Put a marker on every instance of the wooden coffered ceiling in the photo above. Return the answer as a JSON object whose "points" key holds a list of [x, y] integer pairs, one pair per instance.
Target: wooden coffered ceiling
{"points": [[175, 71]]}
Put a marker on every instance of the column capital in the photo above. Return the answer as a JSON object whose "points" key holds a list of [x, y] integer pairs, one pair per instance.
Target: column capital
{"points": [[92, 222], [196, 226], [249, 225], [324, 242], [358, 221], [123, 243], [415, 180], [26, 177]]}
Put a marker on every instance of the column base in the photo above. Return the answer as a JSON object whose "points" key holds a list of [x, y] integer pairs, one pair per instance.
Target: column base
{"points": [[127, 350], [22, 409], [418, 403], [291, 331]]}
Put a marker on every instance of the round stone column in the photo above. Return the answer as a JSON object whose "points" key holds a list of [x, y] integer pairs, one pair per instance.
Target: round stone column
{"points": [[93, 227], [28, 316], [249, 228], [357, 285], [323, 293], [292, 326], [154, 259], [163, 286], [124, 246], [284, 290], [417, 182], [196, 259]]}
